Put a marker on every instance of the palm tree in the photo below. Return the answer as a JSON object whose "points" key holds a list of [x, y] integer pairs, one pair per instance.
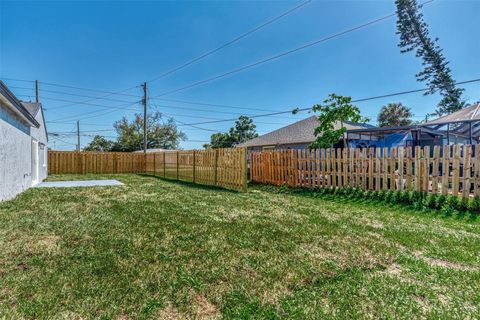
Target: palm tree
{"points": [[394, 114]]}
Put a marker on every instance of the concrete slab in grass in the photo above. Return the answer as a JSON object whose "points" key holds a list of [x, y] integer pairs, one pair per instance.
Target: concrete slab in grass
{"points": [[75, 184]]}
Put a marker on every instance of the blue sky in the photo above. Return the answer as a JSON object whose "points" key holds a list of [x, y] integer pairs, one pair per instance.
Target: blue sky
{"points": [[117, 45]]}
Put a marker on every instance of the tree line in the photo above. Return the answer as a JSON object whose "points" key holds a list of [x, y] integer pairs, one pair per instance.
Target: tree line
{"points": [[160, 134]]}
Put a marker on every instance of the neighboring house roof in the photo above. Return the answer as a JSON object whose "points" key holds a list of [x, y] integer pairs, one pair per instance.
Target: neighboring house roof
{"points": [[470, 113], [15, 104], [298, 132], [152, 150]]}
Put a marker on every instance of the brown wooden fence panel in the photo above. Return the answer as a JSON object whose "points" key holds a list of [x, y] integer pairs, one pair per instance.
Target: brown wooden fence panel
{"points": [[449, 169], [220, 167], [61, 162]]}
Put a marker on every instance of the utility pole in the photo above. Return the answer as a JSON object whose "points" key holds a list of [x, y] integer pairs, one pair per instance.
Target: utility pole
{"points": [[78, 135], [36, 91], [145, 117]]}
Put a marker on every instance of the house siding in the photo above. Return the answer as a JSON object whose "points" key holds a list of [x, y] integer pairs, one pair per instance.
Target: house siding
{"points": [[15, 154], [40, 134]]}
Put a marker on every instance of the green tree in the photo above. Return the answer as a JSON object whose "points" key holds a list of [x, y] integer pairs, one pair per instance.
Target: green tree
{"points": [[99, 143], [243, 130], [394, 114], [414, 35], [160, 134], [219, 140], [333, 110]]}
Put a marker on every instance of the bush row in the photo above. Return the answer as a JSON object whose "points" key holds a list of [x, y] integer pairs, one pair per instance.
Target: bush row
{"points": [[447, 204]]}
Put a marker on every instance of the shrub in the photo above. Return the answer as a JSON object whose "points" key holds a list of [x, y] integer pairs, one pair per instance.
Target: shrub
{"points": [[447, 204], [440, 201], [474, 205]]}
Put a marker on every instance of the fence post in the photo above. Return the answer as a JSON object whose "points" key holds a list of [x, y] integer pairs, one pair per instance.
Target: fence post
{"points": [[193, 174], [245, 167], [436, 157], [154, 163], [456, 170], [467, 152], [177, 165], [145, 159], [215, 167], [164, 165], [84, 164], [476, 176], [445, 169]]}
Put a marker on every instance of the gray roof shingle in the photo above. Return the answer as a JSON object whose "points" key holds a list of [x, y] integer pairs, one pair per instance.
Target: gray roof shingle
{"points": [[299, 132], [466, 114], [32, 107]]}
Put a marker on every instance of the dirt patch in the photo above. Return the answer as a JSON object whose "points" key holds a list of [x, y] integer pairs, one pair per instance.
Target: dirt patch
{"points": [[49, 243], [369, 222], [204, 309], [22, 266], [423, 303], [170, 313], [71, 315], [443, 263], [443, 299], [274, 295], [393, 269]]}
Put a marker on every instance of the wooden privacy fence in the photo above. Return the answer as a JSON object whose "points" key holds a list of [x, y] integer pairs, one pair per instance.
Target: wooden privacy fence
{"points": [[219, 167], [95, 162], [451, 169]]}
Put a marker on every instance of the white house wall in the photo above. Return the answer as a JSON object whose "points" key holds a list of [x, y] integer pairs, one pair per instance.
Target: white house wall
{"points": [[40, 135], [15, 154]]}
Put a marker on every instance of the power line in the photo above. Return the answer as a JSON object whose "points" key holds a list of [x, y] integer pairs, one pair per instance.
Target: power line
{"points": [[94, 114], [234, 70], [96, 98], [118, 100], [190, 62], [20, 80], [74, 132], [354, 101], [194, 126], [324, 39], [79, 88], [186, 64], [82, 103], [83, 124], [211, 104], [56, 138], [88, 89], [300, 109], [72, 94]]}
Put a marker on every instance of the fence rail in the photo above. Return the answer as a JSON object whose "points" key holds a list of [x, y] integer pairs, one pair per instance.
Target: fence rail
{"points": [[219, 167], [451, 169]]}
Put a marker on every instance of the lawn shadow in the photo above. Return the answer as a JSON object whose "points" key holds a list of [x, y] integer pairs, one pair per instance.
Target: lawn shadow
{"points": [[189, 184]]}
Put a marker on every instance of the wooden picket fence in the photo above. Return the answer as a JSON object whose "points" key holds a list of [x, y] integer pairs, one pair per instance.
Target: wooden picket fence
{"points": [[449, 169], [219, 167], [60, 162]]}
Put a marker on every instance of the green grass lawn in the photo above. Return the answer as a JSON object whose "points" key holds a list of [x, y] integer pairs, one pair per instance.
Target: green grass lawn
{"points": [[157, 249]]}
